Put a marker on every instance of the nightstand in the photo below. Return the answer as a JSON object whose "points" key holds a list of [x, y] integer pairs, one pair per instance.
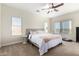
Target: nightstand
{"points": [[24, 37]]}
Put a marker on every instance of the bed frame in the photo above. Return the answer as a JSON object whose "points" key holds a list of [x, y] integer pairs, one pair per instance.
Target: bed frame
{"points": [[33, 29]]}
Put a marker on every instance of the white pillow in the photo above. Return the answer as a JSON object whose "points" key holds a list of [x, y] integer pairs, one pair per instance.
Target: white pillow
{"points": [[41, 32], [30, 36], [33, 32]]}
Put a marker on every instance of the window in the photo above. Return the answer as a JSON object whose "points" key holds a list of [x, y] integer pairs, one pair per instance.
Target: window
{"points": [[63, 27], [57, 27], [66, 26], [16, 25]]}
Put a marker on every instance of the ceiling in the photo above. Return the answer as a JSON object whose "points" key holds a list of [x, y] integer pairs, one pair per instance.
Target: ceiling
{"points": [[32, 7]]}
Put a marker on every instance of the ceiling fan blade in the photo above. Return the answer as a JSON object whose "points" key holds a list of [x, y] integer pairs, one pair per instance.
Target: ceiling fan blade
{"points": [[45, 9], [58, 5], [37, 10], [48, 12], [55, 10], [51, 11]]}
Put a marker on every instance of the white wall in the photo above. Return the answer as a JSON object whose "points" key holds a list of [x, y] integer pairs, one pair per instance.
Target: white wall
{"points": [[29, 20], [33, 21], [74, 16], [0, 25]]}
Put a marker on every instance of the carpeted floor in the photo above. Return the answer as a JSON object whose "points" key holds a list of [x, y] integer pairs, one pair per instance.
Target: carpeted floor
{"points": [[66, 49]]}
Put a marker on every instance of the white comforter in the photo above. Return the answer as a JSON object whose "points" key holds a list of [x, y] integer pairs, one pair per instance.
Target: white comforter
{"points": [[43, 47]]}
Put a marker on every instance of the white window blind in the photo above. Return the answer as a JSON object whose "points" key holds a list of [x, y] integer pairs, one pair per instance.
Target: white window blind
{"points": [[57, 27], [16, 25], [63, 26], [66, 26]]}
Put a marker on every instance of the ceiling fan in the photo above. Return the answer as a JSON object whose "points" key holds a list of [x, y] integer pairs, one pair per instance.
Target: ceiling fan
{"points": [[51, 6]]}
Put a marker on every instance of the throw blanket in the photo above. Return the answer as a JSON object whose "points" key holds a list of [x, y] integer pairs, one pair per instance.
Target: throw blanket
{"points": [[49, 37]]}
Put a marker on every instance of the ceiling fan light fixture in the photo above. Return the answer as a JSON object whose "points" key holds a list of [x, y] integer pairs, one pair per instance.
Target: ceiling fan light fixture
{"points": [[52, 7], [48, 12]]}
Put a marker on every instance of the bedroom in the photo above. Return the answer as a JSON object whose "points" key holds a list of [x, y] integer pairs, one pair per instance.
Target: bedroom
{"points": [[30, 18]]}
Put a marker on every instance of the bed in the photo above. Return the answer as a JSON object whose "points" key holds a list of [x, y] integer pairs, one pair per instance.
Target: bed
{"points": [[43, 40]]}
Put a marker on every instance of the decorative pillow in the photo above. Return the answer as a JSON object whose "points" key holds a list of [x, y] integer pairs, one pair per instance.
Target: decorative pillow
{"points": [[28, 35]]}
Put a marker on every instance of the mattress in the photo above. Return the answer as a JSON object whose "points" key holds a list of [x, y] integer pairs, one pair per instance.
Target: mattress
{"points": [[42, 45]]}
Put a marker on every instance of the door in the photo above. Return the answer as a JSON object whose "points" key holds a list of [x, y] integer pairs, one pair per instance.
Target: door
{"points": [[77, 34]]}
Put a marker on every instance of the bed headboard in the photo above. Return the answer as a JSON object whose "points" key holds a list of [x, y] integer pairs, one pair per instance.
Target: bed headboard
{"points": [[33, 29], [30, 29]]}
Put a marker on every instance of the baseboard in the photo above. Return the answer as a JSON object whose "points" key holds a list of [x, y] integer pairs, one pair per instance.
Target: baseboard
{"points": [[10, 43]]}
